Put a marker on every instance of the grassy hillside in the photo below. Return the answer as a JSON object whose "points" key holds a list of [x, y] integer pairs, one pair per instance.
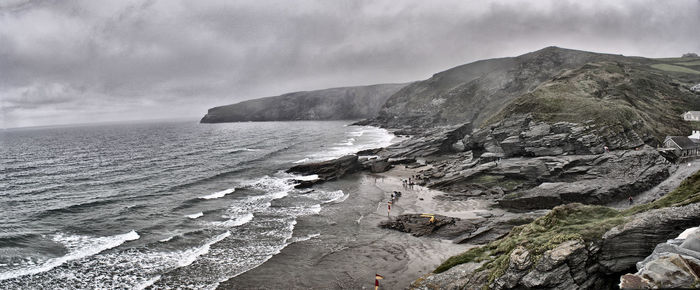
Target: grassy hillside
{"points": [[619, 95], [474, 92]]}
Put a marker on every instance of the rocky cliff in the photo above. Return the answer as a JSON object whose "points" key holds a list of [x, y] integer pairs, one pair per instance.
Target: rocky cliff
{"points": [[640, 98], [554, 128], [578, 246], [330, 104]]}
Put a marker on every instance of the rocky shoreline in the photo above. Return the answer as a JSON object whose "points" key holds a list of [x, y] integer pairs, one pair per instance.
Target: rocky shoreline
{"points": [[545, 141], [523, 185]]}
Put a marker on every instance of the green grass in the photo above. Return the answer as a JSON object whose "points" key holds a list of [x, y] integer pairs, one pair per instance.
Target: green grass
{"points": [[618, 98], [563, 223], [674, 68], [675, 59], [689, 63], [496, 180]]}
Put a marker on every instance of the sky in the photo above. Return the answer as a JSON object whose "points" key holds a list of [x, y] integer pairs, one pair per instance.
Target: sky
{"points": [[64, 62]]}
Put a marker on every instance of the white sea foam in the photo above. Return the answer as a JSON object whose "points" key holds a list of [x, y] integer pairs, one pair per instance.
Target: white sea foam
{"points": [[327, 196], [147, 283], [166, 239], [304, 238], [195, 215], [363, 138], [301, 161], [275, 251], [342, 198], [78, 247], [234, 222], [270, 184], [307, 177], [234, 150], [218, 194], [314, 209], [189, 256], [356, 133]]}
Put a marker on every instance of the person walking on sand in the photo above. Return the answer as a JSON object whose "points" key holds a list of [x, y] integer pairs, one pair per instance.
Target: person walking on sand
{"points": [[630, 198]]}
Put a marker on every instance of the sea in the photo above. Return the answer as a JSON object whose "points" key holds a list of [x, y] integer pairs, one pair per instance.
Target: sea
{"points": [[158, 205]]}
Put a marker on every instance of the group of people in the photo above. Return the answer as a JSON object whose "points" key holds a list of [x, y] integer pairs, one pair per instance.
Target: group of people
{"points": [[410, 182], [395, 195]]}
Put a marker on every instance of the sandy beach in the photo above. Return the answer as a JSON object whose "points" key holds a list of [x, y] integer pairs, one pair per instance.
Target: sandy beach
{"points": [[343, 248]]}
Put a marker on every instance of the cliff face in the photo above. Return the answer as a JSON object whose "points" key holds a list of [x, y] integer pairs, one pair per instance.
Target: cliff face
{"points": [[329, 104], [475, 91], [639, 97]]}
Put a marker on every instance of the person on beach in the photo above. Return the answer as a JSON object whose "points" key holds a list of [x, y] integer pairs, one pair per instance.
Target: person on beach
{"points": [[630, 199]]}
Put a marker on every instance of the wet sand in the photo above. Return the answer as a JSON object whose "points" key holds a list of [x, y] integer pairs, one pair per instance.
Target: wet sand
{"points": [[350, 248]]}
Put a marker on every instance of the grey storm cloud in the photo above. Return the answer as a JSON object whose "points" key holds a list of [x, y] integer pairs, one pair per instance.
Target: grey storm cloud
{"points": [[87, 61]]}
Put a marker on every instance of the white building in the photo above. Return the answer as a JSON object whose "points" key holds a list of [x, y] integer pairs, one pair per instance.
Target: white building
{"points": [[695, 137], [691, 116]]}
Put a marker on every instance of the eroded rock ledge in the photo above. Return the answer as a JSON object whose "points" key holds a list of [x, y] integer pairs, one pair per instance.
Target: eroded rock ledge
{"points": [[574, 263]]}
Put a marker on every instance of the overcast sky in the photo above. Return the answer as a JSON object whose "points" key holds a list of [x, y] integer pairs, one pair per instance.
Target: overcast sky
{"points": [[92, 61]]}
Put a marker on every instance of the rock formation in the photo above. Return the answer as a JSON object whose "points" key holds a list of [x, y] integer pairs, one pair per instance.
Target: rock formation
{"points": [[573, 263], [555, 129], [330, 104], [673, 264]]}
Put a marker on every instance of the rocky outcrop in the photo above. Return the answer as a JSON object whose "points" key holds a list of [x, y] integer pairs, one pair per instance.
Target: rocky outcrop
{"points": [[430, 141], [326, 170], [547, 181], [576, 264], [673, 264], [417, 225], [346, 103], [521, 135], [623, 246], [473, 231]]}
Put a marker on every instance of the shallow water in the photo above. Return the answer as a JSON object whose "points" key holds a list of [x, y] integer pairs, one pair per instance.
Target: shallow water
{"points": [[137, 205]]}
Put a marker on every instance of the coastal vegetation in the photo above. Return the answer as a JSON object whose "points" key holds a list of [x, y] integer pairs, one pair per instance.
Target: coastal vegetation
{"points": [[568, 222]]}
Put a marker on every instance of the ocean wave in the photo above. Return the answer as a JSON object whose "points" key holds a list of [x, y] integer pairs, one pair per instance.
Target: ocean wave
{"points": [[234, 222], [188, 257], [195, 215], [218, 194], [307, 177], [356, 133], [271, 184], [90, 205], [327, 196], [78, 247], [236, 150], [304, 238], [371, 138], [296, 211], [147, 283], [301, 161]]}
